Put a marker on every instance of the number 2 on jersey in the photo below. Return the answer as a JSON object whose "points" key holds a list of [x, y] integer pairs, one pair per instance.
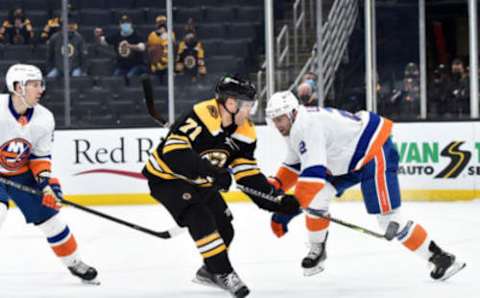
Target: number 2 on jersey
{"points": [[191, 128]]}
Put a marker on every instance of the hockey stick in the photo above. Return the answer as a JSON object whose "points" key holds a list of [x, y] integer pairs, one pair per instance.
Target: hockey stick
{"points": [[390, 233], [149, 101], [172, 232]]}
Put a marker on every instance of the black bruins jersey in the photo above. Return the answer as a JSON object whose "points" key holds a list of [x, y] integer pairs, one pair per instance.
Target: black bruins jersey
{"points": [[196, 143]]}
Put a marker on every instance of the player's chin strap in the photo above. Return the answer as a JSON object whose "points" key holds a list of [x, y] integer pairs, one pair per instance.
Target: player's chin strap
{"points": [[172, 232], [390, 233]]}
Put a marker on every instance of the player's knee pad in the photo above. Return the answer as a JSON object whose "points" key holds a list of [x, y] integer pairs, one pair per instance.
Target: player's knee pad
{"points": [[395, 215], [3, 212], [322, 199], [199, 220]]}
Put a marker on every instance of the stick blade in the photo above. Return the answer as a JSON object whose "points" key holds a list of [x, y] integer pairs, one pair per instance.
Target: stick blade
{"points": [[392, 230]]}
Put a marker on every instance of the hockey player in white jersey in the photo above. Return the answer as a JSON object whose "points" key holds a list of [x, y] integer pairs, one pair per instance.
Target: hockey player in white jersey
{"points": [[331, 150], [26, 138]]}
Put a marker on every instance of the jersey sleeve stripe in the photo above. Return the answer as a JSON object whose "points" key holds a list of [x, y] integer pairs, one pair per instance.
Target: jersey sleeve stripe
{"points": [[38, 166], [242, 161], [242, 174], [169, 148]]}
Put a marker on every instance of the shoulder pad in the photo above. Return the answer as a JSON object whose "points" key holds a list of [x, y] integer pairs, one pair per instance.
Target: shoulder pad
{"points": [[246, 133], [207, 111]]}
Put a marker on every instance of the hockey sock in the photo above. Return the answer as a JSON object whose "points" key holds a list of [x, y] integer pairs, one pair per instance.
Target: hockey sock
{"points": [[210, 244], [414, 237], [61, 240], [317, 228]]}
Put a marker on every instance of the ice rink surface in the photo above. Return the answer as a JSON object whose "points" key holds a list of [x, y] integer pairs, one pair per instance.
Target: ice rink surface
{"points": [[133, 264]]}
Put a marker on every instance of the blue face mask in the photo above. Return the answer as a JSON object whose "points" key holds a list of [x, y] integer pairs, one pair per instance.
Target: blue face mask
{"points": [[312, 84], [126, 29]]}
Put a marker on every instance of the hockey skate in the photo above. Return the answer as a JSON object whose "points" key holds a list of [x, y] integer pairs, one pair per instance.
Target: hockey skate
{"points": [[87, 274], [232, 283], [204, 277], [313, 263], [444, 264]]}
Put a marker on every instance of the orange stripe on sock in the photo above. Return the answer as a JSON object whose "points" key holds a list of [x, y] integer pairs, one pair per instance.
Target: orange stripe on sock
{"points": [[67, 248], [416, 239], [287, 177], [316, 224]]}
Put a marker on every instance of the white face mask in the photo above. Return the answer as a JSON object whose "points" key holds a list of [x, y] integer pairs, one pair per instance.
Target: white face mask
{"points": [[126, 29]]}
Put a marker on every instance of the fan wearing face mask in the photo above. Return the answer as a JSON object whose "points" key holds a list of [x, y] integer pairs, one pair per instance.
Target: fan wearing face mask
{"points": [[129, 48]]}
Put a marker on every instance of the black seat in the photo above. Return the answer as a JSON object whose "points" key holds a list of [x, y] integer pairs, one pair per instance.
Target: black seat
{"points": [[38, 18], [85, 4], [100, 67], [218, 14], [81, 83], [211, 31], [242, 30], [126, 4], [115, 84], [184, 14], [249, 13], [20, 52], [150, 3], [95, 17]]}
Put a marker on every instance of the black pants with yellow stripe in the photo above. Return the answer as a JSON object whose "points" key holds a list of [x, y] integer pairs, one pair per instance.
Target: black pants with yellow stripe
{"points": [[206, 215]]}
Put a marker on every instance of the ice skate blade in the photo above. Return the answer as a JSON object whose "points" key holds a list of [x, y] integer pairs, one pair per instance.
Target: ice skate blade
{"points": [[93, 282], [314, 270], [205, 282], [456, 267]]}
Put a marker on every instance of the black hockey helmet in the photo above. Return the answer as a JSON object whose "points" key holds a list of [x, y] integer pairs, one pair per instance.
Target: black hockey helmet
{"points": [[236, 87]]}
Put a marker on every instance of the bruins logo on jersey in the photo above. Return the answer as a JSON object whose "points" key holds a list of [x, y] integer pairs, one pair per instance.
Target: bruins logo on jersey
{"points": [[216, 157], [14, 154], [123, 49], [212, 110]]}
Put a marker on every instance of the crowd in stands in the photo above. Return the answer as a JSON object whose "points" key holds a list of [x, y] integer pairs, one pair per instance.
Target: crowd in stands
{"points": [[135, 55]]}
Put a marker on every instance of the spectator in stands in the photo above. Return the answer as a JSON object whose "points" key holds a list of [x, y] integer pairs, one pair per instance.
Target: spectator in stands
{"points": [[307, 89], [17, 29], [191, 55], [76, 52], [406, 97], [53, 25], [437, 92], [129, 48], [157, 45], [458, 94]]}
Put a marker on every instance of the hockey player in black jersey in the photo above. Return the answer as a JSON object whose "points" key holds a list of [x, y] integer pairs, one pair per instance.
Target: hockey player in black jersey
{"points": [[193, 163]]}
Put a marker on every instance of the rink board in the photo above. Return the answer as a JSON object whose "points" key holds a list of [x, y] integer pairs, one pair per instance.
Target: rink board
{"points": [[438, 161]]}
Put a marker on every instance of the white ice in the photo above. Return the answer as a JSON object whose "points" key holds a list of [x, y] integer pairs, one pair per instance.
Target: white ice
{"points": [[133, 264]]}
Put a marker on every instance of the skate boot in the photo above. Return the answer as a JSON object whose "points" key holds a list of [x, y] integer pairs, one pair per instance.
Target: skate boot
{"points": [[313, 263], [232, 283], [87, 274], [204, 277], [444, 264]]}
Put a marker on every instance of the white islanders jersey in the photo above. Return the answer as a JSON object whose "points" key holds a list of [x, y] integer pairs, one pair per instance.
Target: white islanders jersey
{"points": [[25, 140], [336, 140]]}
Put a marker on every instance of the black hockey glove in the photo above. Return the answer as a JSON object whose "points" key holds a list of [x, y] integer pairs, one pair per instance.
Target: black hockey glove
{"points": [[289, 205], [222, 179]]}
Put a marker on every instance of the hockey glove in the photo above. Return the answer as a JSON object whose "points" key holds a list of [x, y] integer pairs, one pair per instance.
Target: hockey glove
{"points": [[279, 223], [289, 205], [52, 192], [222, 179]]}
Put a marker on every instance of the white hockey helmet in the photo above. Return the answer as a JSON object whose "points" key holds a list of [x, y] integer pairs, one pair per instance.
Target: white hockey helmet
{"points": [[22, 73], [281, 103]]}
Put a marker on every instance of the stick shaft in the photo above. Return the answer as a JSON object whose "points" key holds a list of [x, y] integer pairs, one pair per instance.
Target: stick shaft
{"points": [[162, 234]]}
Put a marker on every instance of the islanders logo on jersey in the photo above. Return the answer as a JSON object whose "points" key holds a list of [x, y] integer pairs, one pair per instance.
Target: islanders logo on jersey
{"points": [[14, 154]]}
